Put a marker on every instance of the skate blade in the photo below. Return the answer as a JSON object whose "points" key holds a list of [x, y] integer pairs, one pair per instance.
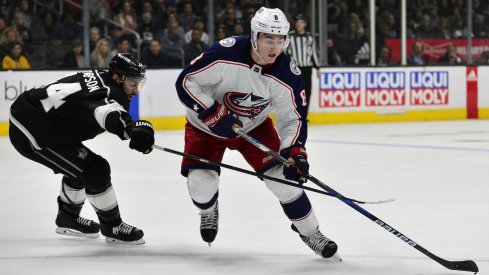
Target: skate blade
{"points": [[335, 258], [209, 244], [73, 233], [116, 241]]}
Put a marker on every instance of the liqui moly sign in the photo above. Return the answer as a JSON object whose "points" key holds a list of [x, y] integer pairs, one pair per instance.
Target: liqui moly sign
{"points": [[429, 88], [339, 89], [385, 89]]}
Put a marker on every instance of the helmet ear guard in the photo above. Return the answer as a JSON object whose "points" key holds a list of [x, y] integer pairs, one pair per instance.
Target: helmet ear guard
{"points": [[271, 21]]}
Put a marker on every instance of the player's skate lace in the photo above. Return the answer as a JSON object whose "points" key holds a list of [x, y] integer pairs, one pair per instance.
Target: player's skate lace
{"points": [[209, 222], [319, 243], [124, 228], [84, 222]]}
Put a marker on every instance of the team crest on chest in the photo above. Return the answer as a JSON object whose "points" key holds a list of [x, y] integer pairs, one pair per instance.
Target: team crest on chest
{"points": [[227, 42], [245, 105], [294, 69]]}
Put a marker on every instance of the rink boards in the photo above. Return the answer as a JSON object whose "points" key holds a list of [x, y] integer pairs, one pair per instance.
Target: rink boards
{"points": [[340, 95]]}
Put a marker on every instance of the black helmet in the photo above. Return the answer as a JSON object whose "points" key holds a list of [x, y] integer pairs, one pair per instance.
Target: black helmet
{"points": [[126, 64]]}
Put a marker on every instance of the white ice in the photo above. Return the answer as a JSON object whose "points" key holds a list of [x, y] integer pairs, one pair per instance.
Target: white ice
{"points": [[437, 171]]}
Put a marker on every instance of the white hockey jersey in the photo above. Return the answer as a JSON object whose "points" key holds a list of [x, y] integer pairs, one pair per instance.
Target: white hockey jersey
{"points": [[226, 73]]}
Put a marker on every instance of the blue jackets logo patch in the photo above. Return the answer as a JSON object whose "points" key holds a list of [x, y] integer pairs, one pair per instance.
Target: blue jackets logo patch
{"points": [[227, 42], [294, 69], [245, 105]]}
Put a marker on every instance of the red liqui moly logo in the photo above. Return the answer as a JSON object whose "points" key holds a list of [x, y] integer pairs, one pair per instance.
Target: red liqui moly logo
{"points": [[429, 88], [385, 89], [339, 89]]}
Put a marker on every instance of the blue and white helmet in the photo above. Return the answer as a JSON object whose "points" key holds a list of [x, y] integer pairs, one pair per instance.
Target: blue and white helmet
{"points": [[272, 21]]}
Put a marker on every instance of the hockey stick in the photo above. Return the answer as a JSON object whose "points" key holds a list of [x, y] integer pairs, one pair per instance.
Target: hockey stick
{"points": [[468, 265], [263, 176]]}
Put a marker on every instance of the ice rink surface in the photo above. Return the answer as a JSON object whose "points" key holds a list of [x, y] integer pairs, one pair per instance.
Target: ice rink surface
{"points": [[437, 171]]}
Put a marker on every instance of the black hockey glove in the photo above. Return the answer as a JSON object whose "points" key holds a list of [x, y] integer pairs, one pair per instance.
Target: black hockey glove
{"points": [[298, 170], [220, 121], [142, 136]]}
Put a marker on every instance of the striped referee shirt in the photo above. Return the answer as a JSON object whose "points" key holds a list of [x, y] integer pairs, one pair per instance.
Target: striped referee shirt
{"points": [[302, 49]]}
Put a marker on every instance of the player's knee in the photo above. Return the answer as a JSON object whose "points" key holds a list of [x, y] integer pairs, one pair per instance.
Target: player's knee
{"points": [[97, 175], [202, 184], [283, 192]]}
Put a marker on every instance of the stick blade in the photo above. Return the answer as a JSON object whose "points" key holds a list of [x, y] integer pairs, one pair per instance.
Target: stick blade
{"points": [[462, 266]]}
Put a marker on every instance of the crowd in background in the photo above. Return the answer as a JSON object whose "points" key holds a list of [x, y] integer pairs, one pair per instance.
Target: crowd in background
{"points": [[45, 34]]}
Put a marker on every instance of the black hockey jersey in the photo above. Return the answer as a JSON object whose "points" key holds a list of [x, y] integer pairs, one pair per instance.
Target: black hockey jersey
{"points": [[73, 109]]}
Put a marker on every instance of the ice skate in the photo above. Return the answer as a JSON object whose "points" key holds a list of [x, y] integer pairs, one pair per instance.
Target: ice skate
{"points": [[122, 234], [209, 223], [76, 226], [321, 245]]}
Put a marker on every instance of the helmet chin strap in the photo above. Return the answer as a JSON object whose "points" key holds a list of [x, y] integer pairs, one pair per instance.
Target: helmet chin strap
{"points": [[256, 52]]}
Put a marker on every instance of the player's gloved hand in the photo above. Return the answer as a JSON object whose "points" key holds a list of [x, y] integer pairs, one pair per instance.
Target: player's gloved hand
{"points": [[142, 136], [298, 170], [220, 121]]}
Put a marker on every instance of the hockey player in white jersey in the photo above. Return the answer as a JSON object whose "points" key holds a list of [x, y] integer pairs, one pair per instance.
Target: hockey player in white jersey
{"points": [[240, 81]]}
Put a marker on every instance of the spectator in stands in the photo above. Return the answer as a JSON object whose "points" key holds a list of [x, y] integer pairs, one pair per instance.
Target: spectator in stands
{"points": [[74, 58], [444, 28], [229, 21], [50, 7], [100, 10], [248, 15], [173, 42], [384, 56], [5, 8], [198, 25], [195, 47], [127, 16], [187, 17], [3, 25], [147, 29], [122, 45], [172, 18], [94, 37], [69, 30], [334, 58], [160, 11], [426, 29], [9, 36], [48, 31], [23, 26], [25, 8], [153, 57], [417, 57], [450, 56], [100, 57], [147, 6], [238, 29], [220, 33], [480, 28], [459, 30], [15, 59], [221, 14]]}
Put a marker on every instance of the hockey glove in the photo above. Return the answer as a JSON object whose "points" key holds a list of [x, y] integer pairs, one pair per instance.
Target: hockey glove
{"points": [[142, 136], [220, 121], [298, 170]]}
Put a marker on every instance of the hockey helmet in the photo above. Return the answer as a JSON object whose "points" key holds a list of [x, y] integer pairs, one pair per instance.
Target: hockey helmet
{"points": [[272, 21], [126, 65]]}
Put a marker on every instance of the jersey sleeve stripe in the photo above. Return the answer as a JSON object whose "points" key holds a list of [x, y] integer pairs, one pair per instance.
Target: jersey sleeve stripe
{"points": [[26, 132], [101, 112]]}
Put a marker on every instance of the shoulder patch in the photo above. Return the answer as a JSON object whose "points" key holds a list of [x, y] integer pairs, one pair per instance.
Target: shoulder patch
{"points": [[227, 42], [294, 69]]}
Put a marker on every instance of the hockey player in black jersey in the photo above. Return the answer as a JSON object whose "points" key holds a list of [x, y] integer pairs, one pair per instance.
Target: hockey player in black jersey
{"points": [[49, 124]]}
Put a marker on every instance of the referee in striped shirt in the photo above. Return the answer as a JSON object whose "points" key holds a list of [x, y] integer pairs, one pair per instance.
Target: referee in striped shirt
{"points": [[302, 49]]}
